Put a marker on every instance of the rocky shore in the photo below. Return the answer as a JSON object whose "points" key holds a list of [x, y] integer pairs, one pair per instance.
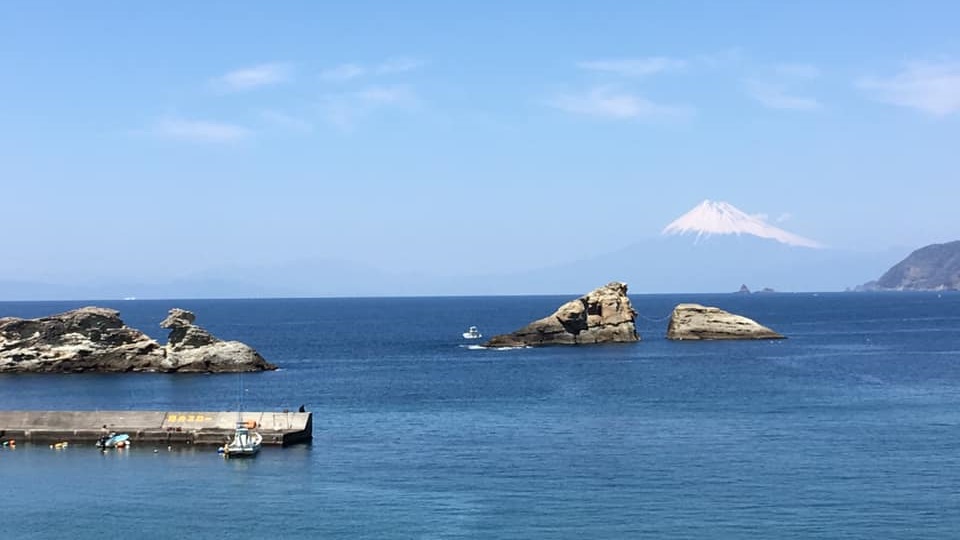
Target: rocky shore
{"points": [[95, 339]]}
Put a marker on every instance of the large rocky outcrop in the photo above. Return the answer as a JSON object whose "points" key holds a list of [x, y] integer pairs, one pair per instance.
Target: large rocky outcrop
{"points": [[95, 339], [193, 349], [931, 268], [602, 316], [693, 321]]}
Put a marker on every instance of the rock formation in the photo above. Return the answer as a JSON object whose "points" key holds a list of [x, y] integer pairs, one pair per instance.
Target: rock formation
{"points": [[95, 339], [601, 316], [931, 268], [693, 321], [193, 349]]}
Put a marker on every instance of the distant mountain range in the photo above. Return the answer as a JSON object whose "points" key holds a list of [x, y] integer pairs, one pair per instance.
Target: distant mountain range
{"points": [[715, 247], [931, 268]]}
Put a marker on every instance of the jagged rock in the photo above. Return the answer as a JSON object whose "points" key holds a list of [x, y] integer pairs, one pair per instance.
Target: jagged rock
{"points": [[693, 321], [744, 289], [193, 349], [604, 315], [95, 339], [183, 333]]}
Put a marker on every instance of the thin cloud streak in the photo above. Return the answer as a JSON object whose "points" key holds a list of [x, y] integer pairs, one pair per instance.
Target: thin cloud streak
{"points": [[933, 88], [776, 96], [389, 95], [286, 121], [398, 65], [633, 67], [200, 130], [254, 77], [351, 71], [343, 72], [608, 102], [797, 71], [345, 110]]}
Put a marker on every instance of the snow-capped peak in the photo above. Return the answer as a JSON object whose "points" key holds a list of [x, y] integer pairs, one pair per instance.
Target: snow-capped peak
{"points": [[716, 217]]}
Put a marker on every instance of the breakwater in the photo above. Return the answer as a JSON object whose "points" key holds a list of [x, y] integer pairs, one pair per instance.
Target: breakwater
{"points": [[157, 427]]}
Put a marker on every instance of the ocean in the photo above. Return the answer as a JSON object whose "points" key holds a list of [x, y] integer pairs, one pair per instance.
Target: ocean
{"points": [[850, 428]]}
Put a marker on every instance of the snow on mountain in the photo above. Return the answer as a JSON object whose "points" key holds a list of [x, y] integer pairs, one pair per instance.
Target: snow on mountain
{"points": [[717, 217]]}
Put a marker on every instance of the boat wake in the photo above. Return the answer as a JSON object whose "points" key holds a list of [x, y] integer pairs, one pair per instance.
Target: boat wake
{"points": [[482, 348]]}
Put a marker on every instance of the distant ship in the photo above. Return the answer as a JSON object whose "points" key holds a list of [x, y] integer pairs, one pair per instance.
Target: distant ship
{"points": [[472, 333]]}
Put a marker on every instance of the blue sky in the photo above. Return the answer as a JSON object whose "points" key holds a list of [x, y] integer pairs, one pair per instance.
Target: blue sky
{"points": [[168, 138]]}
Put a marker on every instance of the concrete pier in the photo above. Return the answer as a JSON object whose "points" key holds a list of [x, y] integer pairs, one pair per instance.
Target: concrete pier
{"points": [[155, 427]]}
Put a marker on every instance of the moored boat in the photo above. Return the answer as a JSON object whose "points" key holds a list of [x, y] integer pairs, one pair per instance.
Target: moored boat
{"points": [[246, 441]]}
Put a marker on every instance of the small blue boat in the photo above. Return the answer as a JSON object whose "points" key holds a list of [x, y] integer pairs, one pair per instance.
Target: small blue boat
{"points": [[113, 440]]}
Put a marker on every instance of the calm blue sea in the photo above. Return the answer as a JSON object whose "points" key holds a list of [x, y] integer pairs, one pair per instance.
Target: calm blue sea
{"points": [[849, 429]]}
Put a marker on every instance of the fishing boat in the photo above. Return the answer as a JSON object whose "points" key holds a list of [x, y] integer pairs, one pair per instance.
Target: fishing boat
{"points": [[472, 333], [246, 441]]}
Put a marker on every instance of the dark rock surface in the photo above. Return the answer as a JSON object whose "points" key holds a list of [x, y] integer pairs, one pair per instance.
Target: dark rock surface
{"points": [[693, 322], [95, 339], [931, 268], [604, 315]]}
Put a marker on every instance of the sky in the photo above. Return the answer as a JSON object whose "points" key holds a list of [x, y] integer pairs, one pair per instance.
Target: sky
{"points": [[167, 139]]}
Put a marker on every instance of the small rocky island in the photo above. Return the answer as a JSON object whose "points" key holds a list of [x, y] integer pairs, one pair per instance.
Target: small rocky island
{"points": [[693, 322], [95, 339], [931, 268], [604, 315]]}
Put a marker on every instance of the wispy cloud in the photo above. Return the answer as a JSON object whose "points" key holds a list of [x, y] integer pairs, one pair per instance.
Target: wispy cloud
{"points": [[252, 77], [777, 96], [613, 103], [723, 59], [797, 71], [387, 95], [933, 88], [200, 130], [633, 67], [343, 72], [286, 121], [776, 87], [345, 110], [350, 71], [398, 65]]}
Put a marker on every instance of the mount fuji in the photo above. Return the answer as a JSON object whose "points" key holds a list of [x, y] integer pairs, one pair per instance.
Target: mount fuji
{"points": [[710, 217], [728, 248]]}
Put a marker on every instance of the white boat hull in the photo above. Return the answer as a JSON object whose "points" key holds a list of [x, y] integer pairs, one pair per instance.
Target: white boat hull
{"points": [[244, 443], [472, 333]]}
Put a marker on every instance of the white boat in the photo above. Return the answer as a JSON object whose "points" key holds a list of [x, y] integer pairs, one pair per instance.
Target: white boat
{"points": [[246, 441], [472, 333]]}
